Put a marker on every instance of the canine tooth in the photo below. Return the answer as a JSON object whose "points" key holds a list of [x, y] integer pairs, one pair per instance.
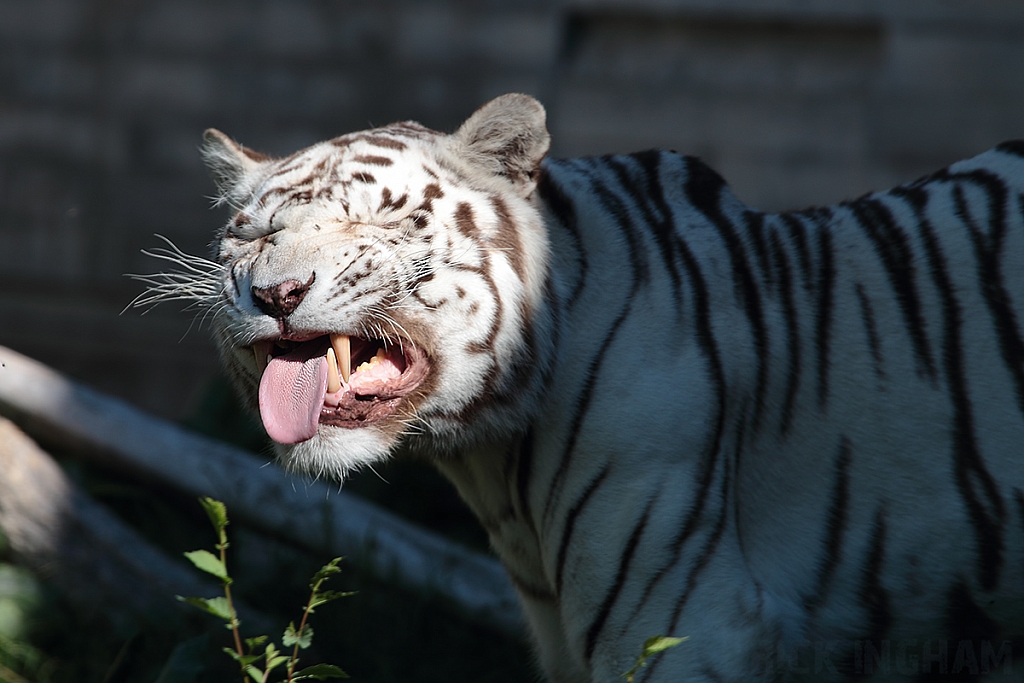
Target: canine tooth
{"points": [[343, 351], [333, 381]]}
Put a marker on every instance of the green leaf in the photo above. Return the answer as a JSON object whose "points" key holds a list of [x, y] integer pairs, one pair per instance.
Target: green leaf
{"points": [[253, 643], [216, 511], [652, 646], [275, 662], [209, 563], [256, 674], [218, 607], [656, 644], [303, 639], [319, 672], [244, 660], [321, 597], [328, 570]]}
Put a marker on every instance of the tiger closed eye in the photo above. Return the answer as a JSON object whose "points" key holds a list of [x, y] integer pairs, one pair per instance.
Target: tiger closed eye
{"points": [[250, 231]]}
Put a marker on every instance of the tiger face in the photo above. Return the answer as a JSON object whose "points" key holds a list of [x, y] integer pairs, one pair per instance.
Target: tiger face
{"points": [[383, 283]]}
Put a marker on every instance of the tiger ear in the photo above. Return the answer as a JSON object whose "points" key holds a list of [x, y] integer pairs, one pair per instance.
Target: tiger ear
{"points": [[228, 161], [507, 137]]}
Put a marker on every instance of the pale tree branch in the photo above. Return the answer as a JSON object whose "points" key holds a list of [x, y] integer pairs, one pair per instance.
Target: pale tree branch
{"points": [[103, 566], [63, 414]]}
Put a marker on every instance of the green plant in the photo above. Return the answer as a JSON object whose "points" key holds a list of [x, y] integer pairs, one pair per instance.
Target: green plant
{"points": [[652, 646], [223, 607]]}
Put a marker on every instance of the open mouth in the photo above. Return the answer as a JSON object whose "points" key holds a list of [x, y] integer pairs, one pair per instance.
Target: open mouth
{"points": [[333, 379]]}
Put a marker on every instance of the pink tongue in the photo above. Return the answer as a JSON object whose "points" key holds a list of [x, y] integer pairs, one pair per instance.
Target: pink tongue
{"points": [[292, 392]]}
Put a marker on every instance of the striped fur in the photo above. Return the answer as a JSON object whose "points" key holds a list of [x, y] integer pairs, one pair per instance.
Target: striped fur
{"points": [[795, 438]]}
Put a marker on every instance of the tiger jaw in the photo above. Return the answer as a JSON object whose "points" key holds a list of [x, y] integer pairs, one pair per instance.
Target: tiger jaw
{"points": [[309, 382]]}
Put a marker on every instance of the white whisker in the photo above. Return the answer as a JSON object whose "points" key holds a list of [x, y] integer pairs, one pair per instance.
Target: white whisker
{"points": [[195, 280]]}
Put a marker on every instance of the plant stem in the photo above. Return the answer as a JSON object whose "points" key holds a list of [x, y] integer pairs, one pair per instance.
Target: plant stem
{"points": [[234, 622], [302, 626], [223, 547]]}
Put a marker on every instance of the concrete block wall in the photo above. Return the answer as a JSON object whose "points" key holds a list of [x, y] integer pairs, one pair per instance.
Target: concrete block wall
{"points": [[795, 102], [103, 102]]}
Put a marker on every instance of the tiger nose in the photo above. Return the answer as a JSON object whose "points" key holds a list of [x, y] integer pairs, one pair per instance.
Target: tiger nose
{"points": [[279, 301]]}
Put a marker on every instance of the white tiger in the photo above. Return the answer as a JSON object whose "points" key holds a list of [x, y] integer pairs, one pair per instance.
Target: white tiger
{"points": [[797, 439]]}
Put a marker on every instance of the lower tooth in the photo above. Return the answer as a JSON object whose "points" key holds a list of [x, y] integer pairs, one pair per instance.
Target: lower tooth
{"points": [[333, 381]]}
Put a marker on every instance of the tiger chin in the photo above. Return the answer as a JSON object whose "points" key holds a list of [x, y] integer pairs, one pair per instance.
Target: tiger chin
{"points": [[784, 436]]}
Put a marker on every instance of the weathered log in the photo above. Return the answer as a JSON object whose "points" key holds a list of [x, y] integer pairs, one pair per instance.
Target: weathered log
{"points": [[61, 413], [99, 563]]}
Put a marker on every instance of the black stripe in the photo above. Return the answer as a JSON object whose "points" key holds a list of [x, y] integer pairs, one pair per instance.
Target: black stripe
{"points": [[662, 227], [823, 322], [988, 250], [1019, 499], [707, 551], [792, 329], [755, 229], [894, 250], [524, 469], [620, 579], [552, 314], [580, 412], [678, 243], [709, 456], [704, 189], [562, 208], [1015, 147], [570, 525], [966, 623], [867, 316], [968, 465], [838, 517], [872, 594], [615, 208], [698, 566], [798, 233]]}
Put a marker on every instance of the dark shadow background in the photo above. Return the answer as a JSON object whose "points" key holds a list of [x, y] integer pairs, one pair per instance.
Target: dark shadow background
{"points": [[103, 103]]}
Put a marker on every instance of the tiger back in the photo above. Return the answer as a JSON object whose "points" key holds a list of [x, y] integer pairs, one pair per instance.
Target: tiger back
{"points": [[795, 438]]}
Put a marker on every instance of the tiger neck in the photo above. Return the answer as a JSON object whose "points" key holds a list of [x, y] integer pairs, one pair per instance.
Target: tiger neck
{"points": [[492, 478]]}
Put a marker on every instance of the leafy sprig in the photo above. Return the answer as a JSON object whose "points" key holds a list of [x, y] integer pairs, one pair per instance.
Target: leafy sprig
{"points": [[249, 657]]}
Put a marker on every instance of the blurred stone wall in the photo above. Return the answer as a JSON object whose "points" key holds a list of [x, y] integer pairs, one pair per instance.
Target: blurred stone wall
{"points": [[102, 104], [795, 102]]}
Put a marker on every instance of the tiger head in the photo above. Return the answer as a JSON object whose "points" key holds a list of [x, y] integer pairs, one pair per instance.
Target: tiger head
{"points": [[384, 283]]}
